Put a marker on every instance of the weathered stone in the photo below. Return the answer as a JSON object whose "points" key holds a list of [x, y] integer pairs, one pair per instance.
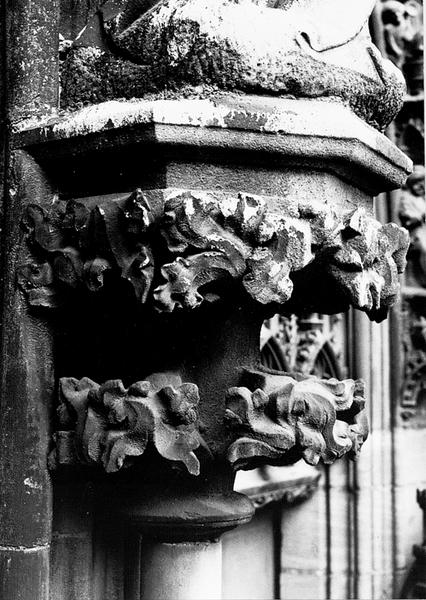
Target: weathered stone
{"points": [[285, 418], [110, 425], [366, 262], [222, 45], [281, 421], [251, 204], [212, 238]]}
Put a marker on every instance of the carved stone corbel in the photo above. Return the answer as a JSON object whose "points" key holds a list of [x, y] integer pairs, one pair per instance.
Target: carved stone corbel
{"points": [[246, 206], [180, 250]]}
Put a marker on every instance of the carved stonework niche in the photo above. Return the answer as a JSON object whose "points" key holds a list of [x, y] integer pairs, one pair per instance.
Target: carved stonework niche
{"points": [[309, 344], [412, 215], [133, 48], [203, 242]]}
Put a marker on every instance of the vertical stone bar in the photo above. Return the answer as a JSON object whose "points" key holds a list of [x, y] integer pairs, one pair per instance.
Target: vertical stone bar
{"points": [[363, 586], [372, 473], [32, 38], [26, 393], [71, 555], [25, 496], [29, 86], [24, 573], [132, 575]]}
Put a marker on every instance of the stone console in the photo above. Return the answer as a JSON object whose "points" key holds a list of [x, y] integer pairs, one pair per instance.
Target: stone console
{"points": [[238, 183]]}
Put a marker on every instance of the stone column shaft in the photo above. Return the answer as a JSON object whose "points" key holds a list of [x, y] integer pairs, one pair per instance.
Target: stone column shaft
{"points": [[29, 86], [185, 571]]}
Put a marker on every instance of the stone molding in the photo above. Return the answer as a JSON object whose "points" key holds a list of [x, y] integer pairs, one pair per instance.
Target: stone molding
{"points": [[287, 494], [305, 132], [178, 515], [270, 484]]}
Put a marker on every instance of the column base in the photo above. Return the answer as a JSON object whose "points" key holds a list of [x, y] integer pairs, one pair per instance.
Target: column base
{"points": [[181, 553], [175, 518]]}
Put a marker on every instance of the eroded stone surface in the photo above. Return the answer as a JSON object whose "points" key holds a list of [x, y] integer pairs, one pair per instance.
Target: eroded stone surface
{"points": [[212, 239], [111, 426], [305, 133], [276, 419], [366, 262], [280, 419], [304, 49]]}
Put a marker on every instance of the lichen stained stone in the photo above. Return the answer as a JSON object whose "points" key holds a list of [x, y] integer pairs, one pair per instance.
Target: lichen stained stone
{"points": [[197, 48]]}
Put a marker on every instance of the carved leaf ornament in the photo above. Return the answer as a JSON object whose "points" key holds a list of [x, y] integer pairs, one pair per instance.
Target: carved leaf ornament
{"points": [[209, 238], [366, 262], [110, 425], [284, 419], [176, 249], [299, 418]]}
